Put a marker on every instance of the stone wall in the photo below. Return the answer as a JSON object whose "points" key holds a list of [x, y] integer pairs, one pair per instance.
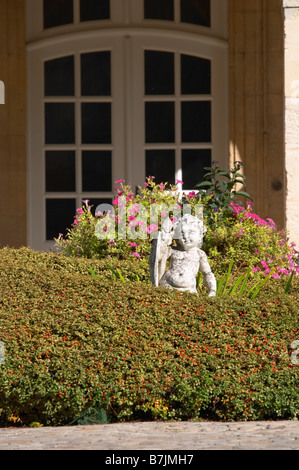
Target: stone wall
{"points": [[291, 34], [257, 98], [256, 101], [13, 204]]}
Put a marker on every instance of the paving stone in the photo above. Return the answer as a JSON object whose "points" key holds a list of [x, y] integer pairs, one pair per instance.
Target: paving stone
{"points": [[260, 435]]}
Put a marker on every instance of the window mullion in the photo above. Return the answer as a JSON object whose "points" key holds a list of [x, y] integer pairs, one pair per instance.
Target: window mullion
{"points": [[76, 7], [177, 75], [177, 14]]}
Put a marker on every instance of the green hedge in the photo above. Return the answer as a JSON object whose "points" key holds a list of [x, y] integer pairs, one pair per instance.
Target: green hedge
{"points": [[76, 343]]}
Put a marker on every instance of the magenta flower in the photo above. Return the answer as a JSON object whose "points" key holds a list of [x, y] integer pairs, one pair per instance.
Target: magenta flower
{"points": [[151, 228], [137, 255], [179, 182], [133, 244], [240, 233]]}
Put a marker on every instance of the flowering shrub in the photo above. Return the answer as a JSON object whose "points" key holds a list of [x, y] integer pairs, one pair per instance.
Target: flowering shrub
{"points": [[73, 343], [220, 190], [252, 242], [234, 232], [128, 228]]}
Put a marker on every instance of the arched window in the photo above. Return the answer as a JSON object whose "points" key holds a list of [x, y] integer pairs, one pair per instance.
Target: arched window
{"points": [[120, 89]]}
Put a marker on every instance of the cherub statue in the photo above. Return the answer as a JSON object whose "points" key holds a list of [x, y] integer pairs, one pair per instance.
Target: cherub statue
{"points": [[186, 259]]}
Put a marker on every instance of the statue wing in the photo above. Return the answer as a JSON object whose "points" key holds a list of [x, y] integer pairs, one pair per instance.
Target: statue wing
{"points": [[160, 252]]}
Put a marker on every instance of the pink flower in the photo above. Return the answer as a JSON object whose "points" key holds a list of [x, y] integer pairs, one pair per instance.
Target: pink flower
{"points": [[85, 201], [133, 244], [179, 182], [75, 221], [255, 270], [131, 217], [80, 211], [119, 181], [240, 233], [151, 228], [276, 276], [264, 264], [137, 255]]}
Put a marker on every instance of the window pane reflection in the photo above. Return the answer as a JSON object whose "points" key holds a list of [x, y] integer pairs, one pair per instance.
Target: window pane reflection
{"points": [[96, 170], [59, 77], [58, 12], [161, 165], [94, 10], [159, 122], [96, 123], [196, 12], [195, 75], [60, 123], [196, 121], [95, 74], [158, 10], [60, 170], [59, 216], [159, 73], [193, 163]]}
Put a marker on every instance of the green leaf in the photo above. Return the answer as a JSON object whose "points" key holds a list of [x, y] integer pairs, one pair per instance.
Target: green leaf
{"points": [[224, 280], [204, 183], [93, 273], [242, 193], [254, 291], [288, 284], [244, 282], [243, 277]]}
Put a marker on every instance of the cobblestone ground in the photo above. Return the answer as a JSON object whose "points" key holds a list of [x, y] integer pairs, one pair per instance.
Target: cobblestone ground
{"points": [[260, 435]]}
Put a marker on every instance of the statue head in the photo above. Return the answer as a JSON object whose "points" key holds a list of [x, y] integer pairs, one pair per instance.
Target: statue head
{"points": [[189, 232]]}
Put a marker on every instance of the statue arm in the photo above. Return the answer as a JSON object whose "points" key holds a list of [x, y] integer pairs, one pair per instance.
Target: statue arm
{"points": [[208, 277], [160, 252]]}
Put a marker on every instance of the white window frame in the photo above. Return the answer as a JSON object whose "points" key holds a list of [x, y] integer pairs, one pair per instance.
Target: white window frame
{"points": [[127, 35]]}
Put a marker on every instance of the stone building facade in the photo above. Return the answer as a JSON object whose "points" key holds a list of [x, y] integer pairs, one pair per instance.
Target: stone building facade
{"points": [[249, 49]]}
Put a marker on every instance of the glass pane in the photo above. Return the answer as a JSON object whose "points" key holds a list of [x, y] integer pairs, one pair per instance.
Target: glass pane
{"points": [[60, 170], [195, 75], [59, 77], [193, 163], [158, 10], [60, 123], [96, 123], [58, 12], [159, 73], [96, 170], [95, 202], [95, 74], [196, 12], [161, 165], [196, 121], [159, 122], [59, 216], [94, 10]]}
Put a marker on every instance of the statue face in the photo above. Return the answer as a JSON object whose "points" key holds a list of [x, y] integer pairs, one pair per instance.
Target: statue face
{"points": [[190, 236]]}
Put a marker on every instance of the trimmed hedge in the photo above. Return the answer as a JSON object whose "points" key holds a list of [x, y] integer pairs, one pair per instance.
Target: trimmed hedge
{"points": [[75, 343]]}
